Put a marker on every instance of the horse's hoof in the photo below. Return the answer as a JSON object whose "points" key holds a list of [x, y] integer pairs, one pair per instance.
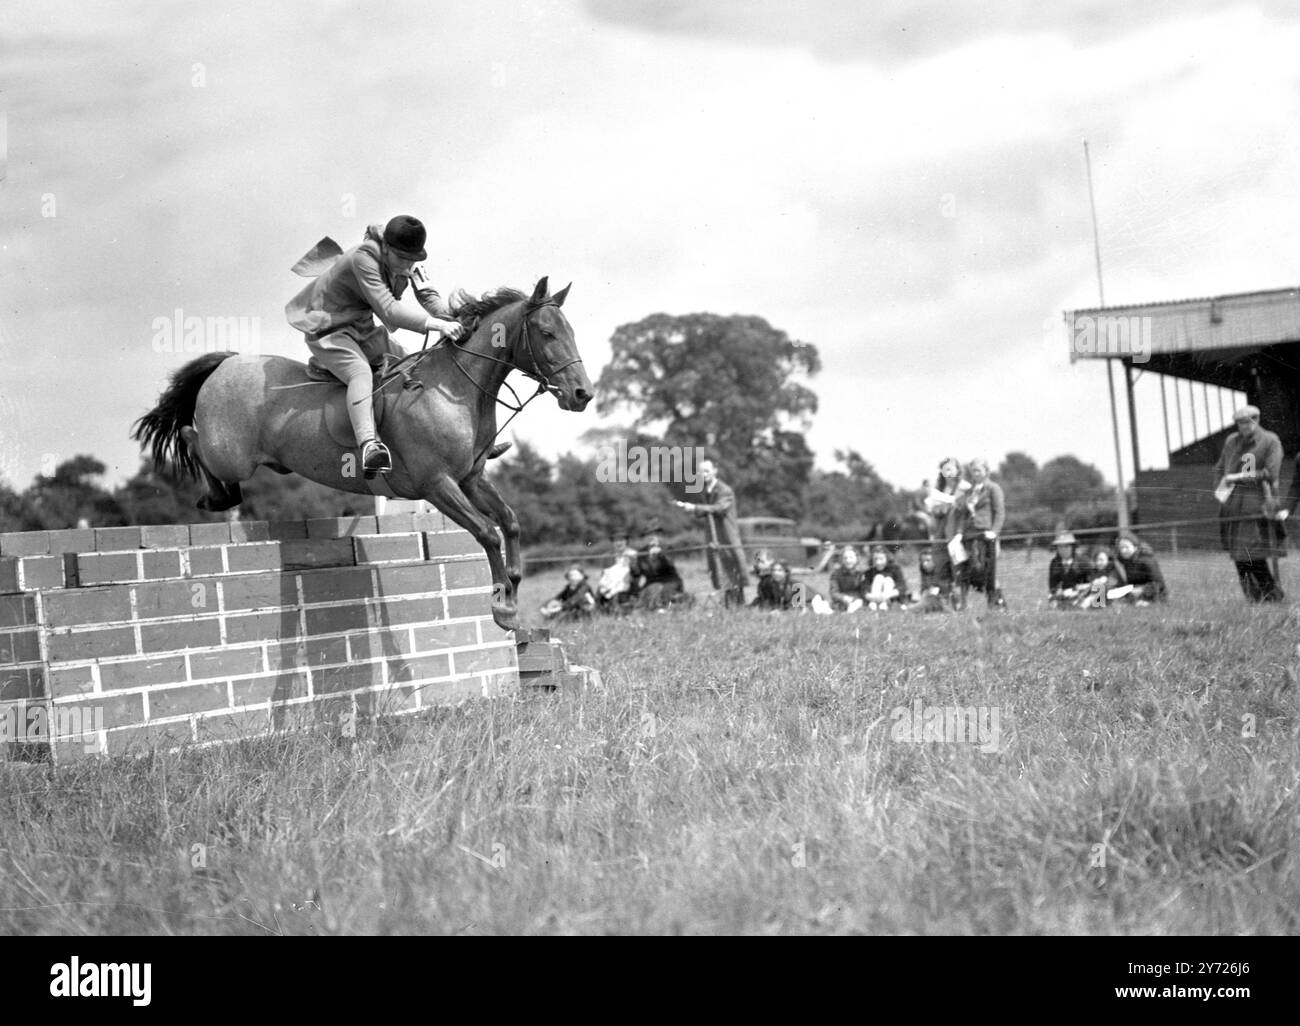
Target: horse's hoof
{"points": [[506, 617]]}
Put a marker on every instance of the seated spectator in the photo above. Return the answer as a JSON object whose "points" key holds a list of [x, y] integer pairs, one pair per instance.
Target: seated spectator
{"points": [[1138, 561], [777, 591], [1068, 574], [846, 582], [885, 584], [1105, 582], [935, 592], [763, 563], [659, 584], [575, 602], [617, 588]]}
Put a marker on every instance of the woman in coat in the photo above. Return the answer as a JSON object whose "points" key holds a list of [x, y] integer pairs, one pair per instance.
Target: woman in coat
{"points": [[1140, 569]]}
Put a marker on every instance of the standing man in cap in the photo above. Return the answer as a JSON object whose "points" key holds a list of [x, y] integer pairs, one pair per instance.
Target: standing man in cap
{"points": [[726, 556], [337, 314], [1247, 474]]}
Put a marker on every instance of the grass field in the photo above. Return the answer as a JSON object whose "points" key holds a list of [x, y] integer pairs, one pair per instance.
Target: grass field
{"points": [[737, 773]]}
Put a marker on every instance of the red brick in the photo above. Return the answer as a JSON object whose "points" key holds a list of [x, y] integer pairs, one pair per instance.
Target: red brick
{"points": [[339, 584], [346, 678], [116, 539], [210, 534], [333, 619], [253, 556], [140, 672], [317, 552], [119, 710], [140, 740], [274, 687], [388, 548], [206, 559], [379, 644], [154, 599], [17, 610], [165, 536], [387, 702], [106, 568], [415, 668], [70, 680], [278, 625], [434, 521], [21, 682], [408, 579], [451, 543], [263, 591], [226, 662], [229, 726], [161, 564], [469, 605], [417, 610], [180, 634], [11, 575], [326, 650], [75, 749], [468, 574], [446, 635], [88, 606], [22, 646], [73, 540], [25, 543], [480, 659], [89, 643], [193, 698], [395, 523], [286, 655], [286, 530], [249, 531], [449, 692], [340, 527]]}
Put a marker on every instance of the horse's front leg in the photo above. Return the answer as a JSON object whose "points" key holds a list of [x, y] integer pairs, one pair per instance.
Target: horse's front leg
{"points": [[486, 499], [447, 496]]}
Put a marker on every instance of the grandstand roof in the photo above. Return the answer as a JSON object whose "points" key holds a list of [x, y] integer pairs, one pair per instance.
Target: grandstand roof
{"points": [[1210, 324]]}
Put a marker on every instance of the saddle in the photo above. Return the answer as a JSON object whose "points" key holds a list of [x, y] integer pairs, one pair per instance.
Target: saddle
{"points": [[337, 422]]}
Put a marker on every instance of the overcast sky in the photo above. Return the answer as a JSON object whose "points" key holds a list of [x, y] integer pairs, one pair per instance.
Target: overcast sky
{"points": [[901, 184]]}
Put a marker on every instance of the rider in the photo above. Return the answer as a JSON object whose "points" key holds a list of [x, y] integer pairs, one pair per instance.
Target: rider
{"points": [[337, 314]]}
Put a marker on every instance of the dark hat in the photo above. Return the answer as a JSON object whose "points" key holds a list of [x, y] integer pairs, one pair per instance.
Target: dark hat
{"points": [[405, 236], [652, 526]]}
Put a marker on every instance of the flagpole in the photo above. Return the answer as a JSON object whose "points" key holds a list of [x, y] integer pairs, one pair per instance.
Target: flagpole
{"points": [[1121, 501]]}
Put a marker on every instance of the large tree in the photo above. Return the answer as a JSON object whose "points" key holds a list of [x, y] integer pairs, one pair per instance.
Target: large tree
{"points": [[728, 384]]}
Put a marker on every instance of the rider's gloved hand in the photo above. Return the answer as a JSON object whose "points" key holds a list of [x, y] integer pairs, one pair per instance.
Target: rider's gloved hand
{"points": [[447, 329]]}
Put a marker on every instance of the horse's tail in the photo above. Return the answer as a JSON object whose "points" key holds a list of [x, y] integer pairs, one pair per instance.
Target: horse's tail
{"points": [[160, 428]]}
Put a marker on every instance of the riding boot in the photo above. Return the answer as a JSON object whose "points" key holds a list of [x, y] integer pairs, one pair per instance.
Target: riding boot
{"points": [[375, 458]]}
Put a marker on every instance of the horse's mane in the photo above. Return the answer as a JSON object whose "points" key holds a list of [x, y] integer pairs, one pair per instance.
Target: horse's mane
{"points": [[469, 311]]}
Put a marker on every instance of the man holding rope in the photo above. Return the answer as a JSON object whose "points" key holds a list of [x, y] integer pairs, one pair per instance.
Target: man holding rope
{"points": [[726, 555]]}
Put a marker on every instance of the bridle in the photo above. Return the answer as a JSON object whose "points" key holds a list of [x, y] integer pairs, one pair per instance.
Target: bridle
{"points": [[543, 378]]}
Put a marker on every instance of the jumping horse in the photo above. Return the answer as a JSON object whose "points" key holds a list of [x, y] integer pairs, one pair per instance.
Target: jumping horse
{"points": [[223, 415]]}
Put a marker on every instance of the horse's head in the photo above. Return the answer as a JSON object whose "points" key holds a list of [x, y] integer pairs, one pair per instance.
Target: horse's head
{"points": [[547, 351]]}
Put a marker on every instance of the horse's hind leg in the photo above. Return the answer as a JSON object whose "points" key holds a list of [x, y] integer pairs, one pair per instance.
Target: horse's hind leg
{"points": [[221, 495]]}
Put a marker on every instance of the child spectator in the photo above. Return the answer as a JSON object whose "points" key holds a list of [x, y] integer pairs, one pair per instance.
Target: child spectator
{"points": [[776, 591], [1138, 561], [575, 602], [846, 582], [885, 585], [1068, 574], [617, 587], [1105, 583], [659, 584], [935, 592], [763, 563]]}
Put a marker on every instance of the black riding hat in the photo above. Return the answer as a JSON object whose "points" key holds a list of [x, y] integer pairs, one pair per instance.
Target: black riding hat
{"points": [[405, 236]]}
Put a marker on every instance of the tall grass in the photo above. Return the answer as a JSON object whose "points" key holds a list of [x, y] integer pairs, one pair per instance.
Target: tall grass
{"points": [[736, 773]]}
